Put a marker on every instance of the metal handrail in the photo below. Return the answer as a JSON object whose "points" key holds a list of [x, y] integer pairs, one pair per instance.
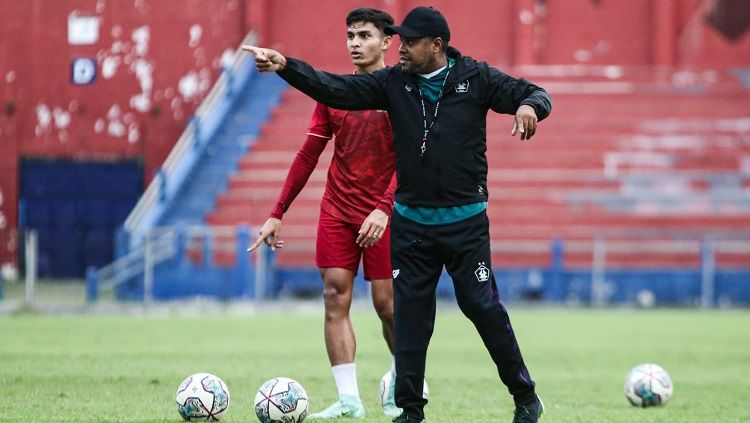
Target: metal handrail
{"points": [[162, 247]]}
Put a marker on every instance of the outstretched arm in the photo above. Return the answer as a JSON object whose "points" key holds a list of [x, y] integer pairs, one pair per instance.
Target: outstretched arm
{"points": [[348, 92], [266, 60]]}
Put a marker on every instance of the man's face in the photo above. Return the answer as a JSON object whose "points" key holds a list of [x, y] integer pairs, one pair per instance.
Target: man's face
{"points": [[366, 44], [418, 55]]}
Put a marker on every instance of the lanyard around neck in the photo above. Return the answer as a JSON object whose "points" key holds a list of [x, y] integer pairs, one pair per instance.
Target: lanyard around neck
{"points": [[426, 128]]}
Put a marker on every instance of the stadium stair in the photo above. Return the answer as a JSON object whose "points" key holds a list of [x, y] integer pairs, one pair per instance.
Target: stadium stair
{"points": [[198, 195], [656, 158]]}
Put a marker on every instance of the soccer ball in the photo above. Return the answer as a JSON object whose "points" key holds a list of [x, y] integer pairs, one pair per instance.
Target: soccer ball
{"points": [[384, 389], [648, 385], [281, 400], [202, 396]]}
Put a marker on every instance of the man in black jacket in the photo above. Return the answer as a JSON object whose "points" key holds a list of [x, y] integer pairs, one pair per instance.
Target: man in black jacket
{"points": [[437, 101]]}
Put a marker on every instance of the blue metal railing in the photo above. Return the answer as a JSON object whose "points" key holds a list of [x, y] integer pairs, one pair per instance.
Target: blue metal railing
{"points": [[190, 269]]}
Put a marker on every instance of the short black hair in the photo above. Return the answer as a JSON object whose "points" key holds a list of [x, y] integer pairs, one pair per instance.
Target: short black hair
{"points": [[376, 17]]}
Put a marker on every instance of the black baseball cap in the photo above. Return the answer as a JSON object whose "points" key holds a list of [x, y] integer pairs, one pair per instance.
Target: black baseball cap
{"points": [[421, 22]]}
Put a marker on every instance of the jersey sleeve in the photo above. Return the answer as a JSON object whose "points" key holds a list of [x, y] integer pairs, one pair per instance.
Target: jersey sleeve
{"points": [[386, 203], [320, 123], [302, 167], [506, 94]]}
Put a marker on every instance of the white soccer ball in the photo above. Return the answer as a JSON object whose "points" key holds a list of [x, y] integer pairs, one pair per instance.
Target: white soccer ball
{"points": [[384, 390], [281, 400], [648, 385], [202, 396]]}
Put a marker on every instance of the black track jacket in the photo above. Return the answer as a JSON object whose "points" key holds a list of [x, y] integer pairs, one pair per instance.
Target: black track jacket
{"points": [[453, 171]]}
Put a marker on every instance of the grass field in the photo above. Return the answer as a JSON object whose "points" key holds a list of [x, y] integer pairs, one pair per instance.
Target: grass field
{"points": [[126, 369]]}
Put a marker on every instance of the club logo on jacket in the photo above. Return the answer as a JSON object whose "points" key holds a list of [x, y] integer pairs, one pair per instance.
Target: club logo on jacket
{"points": [[482, 273], [396, 272], [462, 87], [407, 87]]}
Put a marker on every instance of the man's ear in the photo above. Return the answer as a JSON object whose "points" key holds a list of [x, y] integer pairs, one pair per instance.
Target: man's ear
{"points": [[386, 43], [437, 44]]}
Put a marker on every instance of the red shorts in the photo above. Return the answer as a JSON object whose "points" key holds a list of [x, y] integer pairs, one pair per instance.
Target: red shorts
{"points": [[336, 247]]}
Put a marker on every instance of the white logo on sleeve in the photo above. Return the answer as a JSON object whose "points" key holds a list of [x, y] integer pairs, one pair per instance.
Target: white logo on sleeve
{"points": [[482, 273], [462, 87], [395, 273]]}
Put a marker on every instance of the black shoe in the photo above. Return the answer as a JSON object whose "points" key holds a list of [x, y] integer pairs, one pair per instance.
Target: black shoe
{"points": [[530, 412], [403, 418]]}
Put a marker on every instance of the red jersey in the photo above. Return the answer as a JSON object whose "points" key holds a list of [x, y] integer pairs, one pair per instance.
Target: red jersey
{"points": [[361, 175]]}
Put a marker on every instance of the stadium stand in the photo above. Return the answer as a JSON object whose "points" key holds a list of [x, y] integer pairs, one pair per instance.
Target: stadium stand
{"points": [[648, 161], [632, 186]]}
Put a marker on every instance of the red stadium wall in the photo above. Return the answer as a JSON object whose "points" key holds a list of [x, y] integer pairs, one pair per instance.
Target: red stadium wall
{"points": [[524, 32], [156, 59]]}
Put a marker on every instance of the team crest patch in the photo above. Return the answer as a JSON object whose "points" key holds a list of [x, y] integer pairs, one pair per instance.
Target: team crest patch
{"points": [[482, 273], [462, 87]]}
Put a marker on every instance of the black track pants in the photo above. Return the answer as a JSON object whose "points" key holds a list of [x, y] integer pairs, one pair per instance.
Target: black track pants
{"points": [[418, 254]]}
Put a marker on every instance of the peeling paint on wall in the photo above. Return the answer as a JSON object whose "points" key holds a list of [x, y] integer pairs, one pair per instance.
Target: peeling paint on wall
{"points": [[133, 54], [110, 65], [140, 37], [50, 117], [115, 126], [143, 70], [195, 35], [43, 119], [226, 60], [3, 220], [55, 120], [193, 85]]}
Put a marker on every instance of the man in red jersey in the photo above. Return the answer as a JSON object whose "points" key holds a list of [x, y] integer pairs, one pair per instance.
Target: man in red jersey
{"points": [[354, 212]]}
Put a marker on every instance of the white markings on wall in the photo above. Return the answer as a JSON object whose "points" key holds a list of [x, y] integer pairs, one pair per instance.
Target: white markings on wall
{"points": [[526, 17], [140, 5], [140, 37], [3, 220], [10, 76], [115, 126], [57, 120], [62, 121], [109, 66], [134, 134], [600, 49], [62, 118], [227, 59], [143, 70], [133, 55], [196, 83], [43, 119], [195, 35]]}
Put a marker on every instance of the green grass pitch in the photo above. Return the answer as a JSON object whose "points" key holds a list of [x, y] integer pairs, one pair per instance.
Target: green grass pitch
{"points": [[126, 369]]}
